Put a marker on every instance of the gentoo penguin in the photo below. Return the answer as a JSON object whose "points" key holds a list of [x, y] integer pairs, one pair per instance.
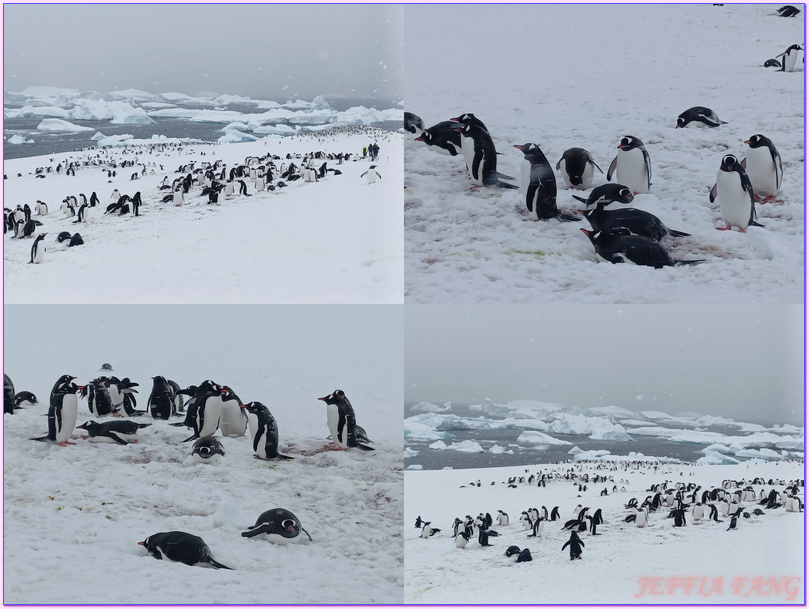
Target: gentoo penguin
{"points": [[701, 114], [41, 208], [480, 153], [63, 411], [81, 215], [444, 136], [428, 531], [763, 167], [461, 539], [772, 63], [576, 166], [788, 11], [98, 397], [177, 197], [233, 420], [733, 522], [413, 123], [8, 395], [641, 517], [278, 526], [620, 245], [538, 185], [697, 512], [342, 421], [637, 221], [181, 547], [371, 175], [263, 431], [555, 513], [118, 432], [207, 410], [418, 522], [38, 249], [75, 240], [789, 63], [575, 544], [24, 399], [632, 166], [161, 400], [207, 450], [734, 194]]}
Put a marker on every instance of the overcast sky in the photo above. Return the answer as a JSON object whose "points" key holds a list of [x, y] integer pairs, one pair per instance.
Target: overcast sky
{"points": [[257, 50], [742, 362]]}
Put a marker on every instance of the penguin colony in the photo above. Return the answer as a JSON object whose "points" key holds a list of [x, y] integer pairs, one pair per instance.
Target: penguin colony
{"points": [[618, 238], [197, 183], [662, 504], [209, 407]]}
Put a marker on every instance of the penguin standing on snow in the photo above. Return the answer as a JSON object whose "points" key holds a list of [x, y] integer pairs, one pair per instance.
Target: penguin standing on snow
{"points": [[62, 412], [632, 166], [233, 421], [576, 166], [480, 153], [700, 114], [575, 544], [264, 431], [38, 249], [791, 56], [734, 194], [371, 175], [763, 167], [179, 546], [342, 421], [81, 215], [538, 185]]}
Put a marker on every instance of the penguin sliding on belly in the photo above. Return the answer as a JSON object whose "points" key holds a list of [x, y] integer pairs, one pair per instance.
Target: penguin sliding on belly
{"points": [[278, 526], [444, 136], [179, 546], [734, 194], [118, 432], [264, 431], [538, 185]]}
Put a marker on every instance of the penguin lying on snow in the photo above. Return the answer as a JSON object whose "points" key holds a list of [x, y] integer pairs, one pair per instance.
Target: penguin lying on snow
{"points": [[700, 114], [119, 432], [207, 450], [637, 221], [620, 245], [181, 547], [522, 555], [445, 137], [278, 526]]}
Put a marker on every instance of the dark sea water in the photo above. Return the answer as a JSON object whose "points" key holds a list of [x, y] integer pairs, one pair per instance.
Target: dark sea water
{"points": [[59, 143], [525, 454]]}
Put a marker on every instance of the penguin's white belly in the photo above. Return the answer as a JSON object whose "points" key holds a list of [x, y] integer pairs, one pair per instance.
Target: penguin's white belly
{"points": [[333, 419], [793, 61], [232, 422], [525, 177], [734, 202], [762, 172], [40, 252], [631, 170], [586, 177], [70, 412], [116, 397], [212, 414], [252, 423], [468, 149]]}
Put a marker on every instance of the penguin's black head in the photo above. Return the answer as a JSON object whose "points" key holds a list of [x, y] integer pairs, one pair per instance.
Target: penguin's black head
{"points": [[681, 122], [756, 141], [512, 550], [729, 163], [628, 142]]}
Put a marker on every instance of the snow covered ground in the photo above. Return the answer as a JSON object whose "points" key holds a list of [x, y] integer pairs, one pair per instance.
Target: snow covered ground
{"points": [[565, 76], [338, 240], [73, 515], [761, 562]]}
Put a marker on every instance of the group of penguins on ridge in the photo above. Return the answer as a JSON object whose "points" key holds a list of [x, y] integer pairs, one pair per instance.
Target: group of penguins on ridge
{"points": [[213, 179], [209, 407], [620, 233], [675, 500]]}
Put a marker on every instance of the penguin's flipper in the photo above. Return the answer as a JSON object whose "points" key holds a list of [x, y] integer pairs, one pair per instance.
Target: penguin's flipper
{"points": [[118, 439], [678, 233], [503, 176], [743, 163], [594, 164], [177, 425], [218, 565], [559, 164], [194, 437], [307, 534], [754, 223], [712, 196], [263, 528], [363, 447], [284, 457], [611, 170], [562, 217], [506, 185], [42, 439], [582, 199]]}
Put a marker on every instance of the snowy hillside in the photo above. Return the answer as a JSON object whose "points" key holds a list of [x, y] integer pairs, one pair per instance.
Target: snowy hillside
{"points": [[759, 562], [595, 74], [75, 514], [338, 240]]}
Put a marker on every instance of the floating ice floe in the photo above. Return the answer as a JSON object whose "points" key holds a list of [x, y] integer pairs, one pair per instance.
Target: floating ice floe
{"points": [[18, 139], [429, 407], [58, 125]]}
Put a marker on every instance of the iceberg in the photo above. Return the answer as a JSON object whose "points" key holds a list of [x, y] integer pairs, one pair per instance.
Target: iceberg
{"points": [[18, 139], [57, 125], [429, 407], [539, 438]]}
